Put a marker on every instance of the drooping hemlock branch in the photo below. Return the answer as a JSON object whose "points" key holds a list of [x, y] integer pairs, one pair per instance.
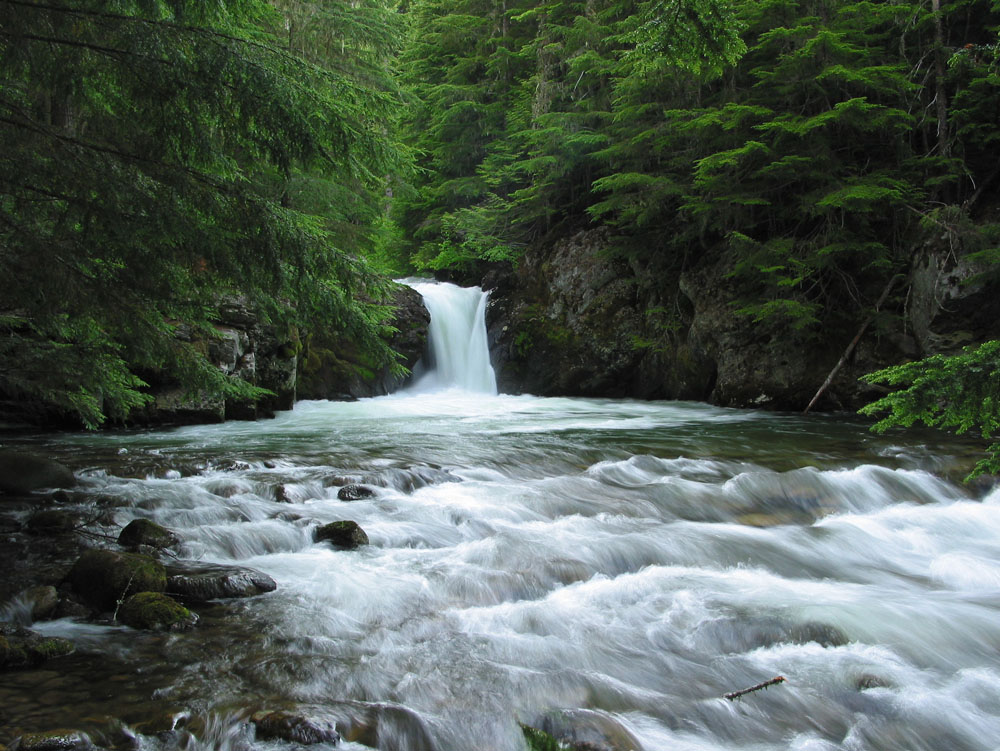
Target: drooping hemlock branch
{"points": [[737, 694]]}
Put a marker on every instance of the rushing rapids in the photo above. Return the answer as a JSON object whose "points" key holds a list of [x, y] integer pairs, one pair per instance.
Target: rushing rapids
{"points": [[605, 569]]}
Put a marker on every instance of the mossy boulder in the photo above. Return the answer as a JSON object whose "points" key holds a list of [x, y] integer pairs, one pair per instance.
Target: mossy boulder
{"points": [[145, 532], [343, 534], [22, 473], [102, 578], [22, 648], [153, 611]]}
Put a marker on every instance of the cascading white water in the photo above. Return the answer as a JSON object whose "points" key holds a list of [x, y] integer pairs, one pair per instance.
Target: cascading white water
{"points": [[458, 353], [610, 566]]}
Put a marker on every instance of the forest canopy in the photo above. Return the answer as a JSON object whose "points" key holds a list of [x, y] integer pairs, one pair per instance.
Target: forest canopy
{"points": [[160, 155]]}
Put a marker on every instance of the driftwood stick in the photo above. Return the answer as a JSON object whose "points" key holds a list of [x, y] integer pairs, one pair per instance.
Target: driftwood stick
{"points": [[773, 682], [852, 345]]}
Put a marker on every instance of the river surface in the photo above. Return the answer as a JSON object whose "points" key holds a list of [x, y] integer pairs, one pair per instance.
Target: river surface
{"points": [[573, 563]]}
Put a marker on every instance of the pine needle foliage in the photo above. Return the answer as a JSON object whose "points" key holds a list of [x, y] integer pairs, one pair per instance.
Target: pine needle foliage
{"points": [[159, 154], [959, 393]]}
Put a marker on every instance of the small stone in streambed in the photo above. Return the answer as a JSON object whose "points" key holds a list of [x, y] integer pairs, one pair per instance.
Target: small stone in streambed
{"points": [[103, 577], [355, 493], [153, 611], [201, 582], [52, 740], [867, 681], [286, 726], [145, 532], [342, 534], [22, 473]]}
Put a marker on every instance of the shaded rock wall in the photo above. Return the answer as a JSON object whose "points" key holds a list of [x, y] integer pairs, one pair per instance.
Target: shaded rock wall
{"points": [[243, 347], [323, 363], [334, 368], [572, 320]]}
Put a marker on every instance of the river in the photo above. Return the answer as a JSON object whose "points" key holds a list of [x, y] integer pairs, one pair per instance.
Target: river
{"points": [[578, 563]]}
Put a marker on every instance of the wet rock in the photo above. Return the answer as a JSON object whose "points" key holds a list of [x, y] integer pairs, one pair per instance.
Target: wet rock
{"points": [[153, 611], [22, 473], [53, 740], [144, 532], [867, 681], [104, 577], [747, 632], [387, 727], [69, 607], [199, 582], [589, 730], [42, 601], [52, 522], [539, 740], [342, 534], [22, 648], [822, 633], [355, 493], [333, 367], [294, 728], [281, 494]]}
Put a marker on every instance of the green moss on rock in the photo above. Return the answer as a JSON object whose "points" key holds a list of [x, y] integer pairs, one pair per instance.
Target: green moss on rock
{"points": [[104, 577], [539, 740], [23, 648], [153, 611]]}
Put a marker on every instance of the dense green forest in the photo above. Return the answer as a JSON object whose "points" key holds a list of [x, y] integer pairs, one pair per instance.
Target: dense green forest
{"points": [[162, 153]]}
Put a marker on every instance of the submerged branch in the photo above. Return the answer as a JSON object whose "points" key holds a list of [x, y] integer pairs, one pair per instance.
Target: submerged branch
{"points": [[772, 682]]}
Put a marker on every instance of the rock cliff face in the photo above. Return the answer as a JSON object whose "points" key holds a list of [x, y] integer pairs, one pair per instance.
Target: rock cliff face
{"points": [[243, 348], [320, 364], [570, 320], [334, 368]]}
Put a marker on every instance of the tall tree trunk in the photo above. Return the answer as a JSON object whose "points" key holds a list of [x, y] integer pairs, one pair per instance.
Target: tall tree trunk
{"points": [[940, 96]]}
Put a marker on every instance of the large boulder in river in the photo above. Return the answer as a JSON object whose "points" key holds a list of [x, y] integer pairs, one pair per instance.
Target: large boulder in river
{"points": [[22, 473], [201, 582], [153, 611], [140, 532], [21, 648], [103, 578], [343, 534]]}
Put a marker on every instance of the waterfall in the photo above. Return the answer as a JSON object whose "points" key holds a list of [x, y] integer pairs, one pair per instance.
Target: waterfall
{"points": [[457, 352]]}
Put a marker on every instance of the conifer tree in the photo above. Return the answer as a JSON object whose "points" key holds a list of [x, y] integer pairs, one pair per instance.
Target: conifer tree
{"points": [[150, 152]]}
